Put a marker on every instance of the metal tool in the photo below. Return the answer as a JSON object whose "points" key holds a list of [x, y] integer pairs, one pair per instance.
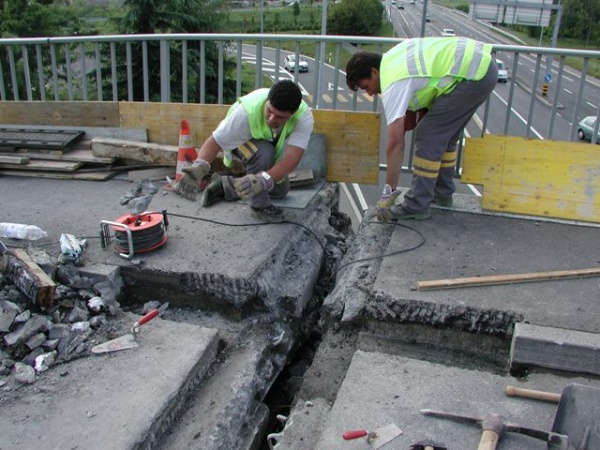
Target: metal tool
{"points": [[578, 416], [375, 438], [428, 445], [493, 425], [127, 341], [513, 391]]}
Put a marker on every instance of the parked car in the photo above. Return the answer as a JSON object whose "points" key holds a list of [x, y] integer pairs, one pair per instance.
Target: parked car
{"points": [[586, 128], [448, 32], [502, 71], [290, 64]]}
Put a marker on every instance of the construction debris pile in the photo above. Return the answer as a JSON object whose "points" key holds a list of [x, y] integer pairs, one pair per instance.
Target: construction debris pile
{"points": [[34, 337]]}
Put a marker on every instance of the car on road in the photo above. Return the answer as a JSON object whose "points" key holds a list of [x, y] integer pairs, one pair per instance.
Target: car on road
{"points": [[448, 32], [427, 18], [400, 6], [502, 71], [585, 129], [290, 64]]}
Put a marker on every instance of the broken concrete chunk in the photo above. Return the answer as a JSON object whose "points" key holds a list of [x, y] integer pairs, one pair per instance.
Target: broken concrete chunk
{"points": [[8, 312], [24, 373], [35, 341], [33, 326]]}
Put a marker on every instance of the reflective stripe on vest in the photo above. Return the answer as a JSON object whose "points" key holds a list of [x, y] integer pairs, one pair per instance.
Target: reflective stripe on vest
{"points": [[434, 58], [254, 104]]}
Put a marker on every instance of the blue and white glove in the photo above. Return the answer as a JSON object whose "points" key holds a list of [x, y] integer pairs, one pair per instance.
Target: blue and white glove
{"points": [[249, 186], [386, 201]]}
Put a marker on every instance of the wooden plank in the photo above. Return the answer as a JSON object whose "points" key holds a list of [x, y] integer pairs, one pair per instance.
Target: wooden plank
{"points": [[29, 277], [78, 155], [506, 279], [100, 175], [14, 159], [353, 138], [66, 166], [139, 151], [132, 134], [535, 177], [77, 114]]}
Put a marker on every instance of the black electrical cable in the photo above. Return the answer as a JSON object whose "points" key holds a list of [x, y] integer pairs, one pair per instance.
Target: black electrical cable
{"points": [[397, 252], [142, 240]]}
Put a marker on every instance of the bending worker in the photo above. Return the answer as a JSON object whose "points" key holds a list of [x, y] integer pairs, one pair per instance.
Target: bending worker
{"points": [[267, 130], [448, 77]]}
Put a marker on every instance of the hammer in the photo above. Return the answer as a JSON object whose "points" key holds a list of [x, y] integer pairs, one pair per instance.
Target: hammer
{"points": [[493, 425], [428, 445]]}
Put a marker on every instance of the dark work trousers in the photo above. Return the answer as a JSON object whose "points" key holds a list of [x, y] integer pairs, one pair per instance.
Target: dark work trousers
{"points": [[436, 140], [258, 156]]}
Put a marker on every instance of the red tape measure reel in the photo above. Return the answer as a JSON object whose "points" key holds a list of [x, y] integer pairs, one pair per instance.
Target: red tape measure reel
{"points": [[148, 232]]}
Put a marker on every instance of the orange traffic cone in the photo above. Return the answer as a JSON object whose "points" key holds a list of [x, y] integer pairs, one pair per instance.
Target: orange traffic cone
{"points": [[187, 152]]}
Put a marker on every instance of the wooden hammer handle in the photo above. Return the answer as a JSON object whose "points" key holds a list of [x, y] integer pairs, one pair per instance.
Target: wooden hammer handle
{"points": [[513, 391], [489, 440]]}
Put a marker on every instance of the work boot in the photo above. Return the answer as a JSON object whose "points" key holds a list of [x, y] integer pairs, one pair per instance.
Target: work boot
{"points": [[446, 202], [214, 191], [269, 213], [399, 212]]}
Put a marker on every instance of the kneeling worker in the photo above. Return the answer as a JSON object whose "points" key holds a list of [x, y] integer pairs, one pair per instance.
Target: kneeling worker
{"points": [[267, 130]]}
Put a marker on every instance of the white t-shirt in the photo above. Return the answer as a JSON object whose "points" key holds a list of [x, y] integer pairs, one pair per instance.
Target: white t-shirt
{"points": [[234, 130], [397, 96]]}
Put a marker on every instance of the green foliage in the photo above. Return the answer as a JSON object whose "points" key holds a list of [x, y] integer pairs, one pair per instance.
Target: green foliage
{"points": [[580, 21], [355, 17], [38, 18], [280, 20]]}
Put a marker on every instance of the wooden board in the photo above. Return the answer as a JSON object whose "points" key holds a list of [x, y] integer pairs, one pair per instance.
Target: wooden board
{"points": [[66, 166], [14, 160], [535, 177], [133, 134], [77, 155], [76, 114], [138, 151], [100, 175], [29, 277]]}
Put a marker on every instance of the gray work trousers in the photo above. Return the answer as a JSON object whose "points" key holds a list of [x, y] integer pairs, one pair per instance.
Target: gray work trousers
{"points": [[257, 157], [436, 139]]}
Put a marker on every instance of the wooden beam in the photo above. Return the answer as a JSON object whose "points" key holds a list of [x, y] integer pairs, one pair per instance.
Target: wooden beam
{"points": [[505, 279], [29, 277]]}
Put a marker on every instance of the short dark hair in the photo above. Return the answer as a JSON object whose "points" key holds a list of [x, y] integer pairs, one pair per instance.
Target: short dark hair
{"points": [[359, 67], [285, 95]]}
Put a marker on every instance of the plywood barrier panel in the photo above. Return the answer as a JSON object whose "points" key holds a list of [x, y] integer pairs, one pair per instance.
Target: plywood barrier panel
{"points": [[163, 120], [352, 145], [83, 114], [546, 178], [352, 138]]}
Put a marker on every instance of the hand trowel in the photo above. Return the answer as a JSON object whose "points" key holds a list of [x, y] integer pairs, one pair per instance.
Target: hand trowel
{"points": [[127, 341], [376, 438]]}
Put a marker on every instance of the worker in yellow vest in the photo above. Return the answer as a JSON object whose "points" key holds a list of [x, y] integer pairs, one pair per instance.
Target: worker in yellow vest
{"points": [[267, 130], [449, 78]]}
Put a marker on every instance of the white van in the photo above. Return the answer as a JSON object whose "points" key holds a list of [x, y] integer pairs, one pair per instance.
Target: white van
{"points": [[502, 72]]}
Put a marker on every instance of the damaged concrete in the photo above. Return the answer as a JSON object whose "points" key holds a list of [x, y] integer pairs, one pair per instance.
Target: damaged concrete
{"points": [[384, 349]]}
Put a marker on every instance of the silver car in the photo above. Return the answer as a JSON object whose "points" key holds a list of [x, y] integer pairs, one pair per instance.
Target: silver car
{"points": [[290, 64]]}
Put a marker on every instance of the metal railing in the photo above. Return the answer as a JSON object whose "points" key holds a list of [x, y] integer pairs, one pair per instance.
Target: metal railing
{"points": [[104, 68]]}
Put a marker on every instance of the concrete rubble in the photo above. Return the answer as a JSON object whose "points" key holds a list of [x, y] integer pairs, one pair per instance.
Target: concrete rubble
{"points": [[285, 335]]}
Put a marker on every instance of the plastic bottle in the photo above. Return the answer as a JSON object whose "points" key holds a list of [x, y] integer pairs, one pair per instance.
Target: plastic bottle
{"points": [[21, 231]]}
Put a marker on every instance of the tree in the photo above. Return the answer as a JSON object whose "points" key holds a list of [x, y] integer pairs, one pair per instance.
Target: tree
{"points": [[355, 17], [296, 12], [174, 16]]}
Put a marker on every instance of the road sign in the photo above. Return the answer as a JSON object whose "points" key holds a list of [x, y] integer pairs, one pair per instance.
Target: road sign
{"points": [[548, 78]]}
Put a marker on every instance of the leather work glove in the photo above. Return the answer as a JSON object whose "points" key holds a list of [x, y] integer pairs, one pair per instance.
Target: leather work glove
{"points": [[386, 201], [251, 185], [188, 185]]}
